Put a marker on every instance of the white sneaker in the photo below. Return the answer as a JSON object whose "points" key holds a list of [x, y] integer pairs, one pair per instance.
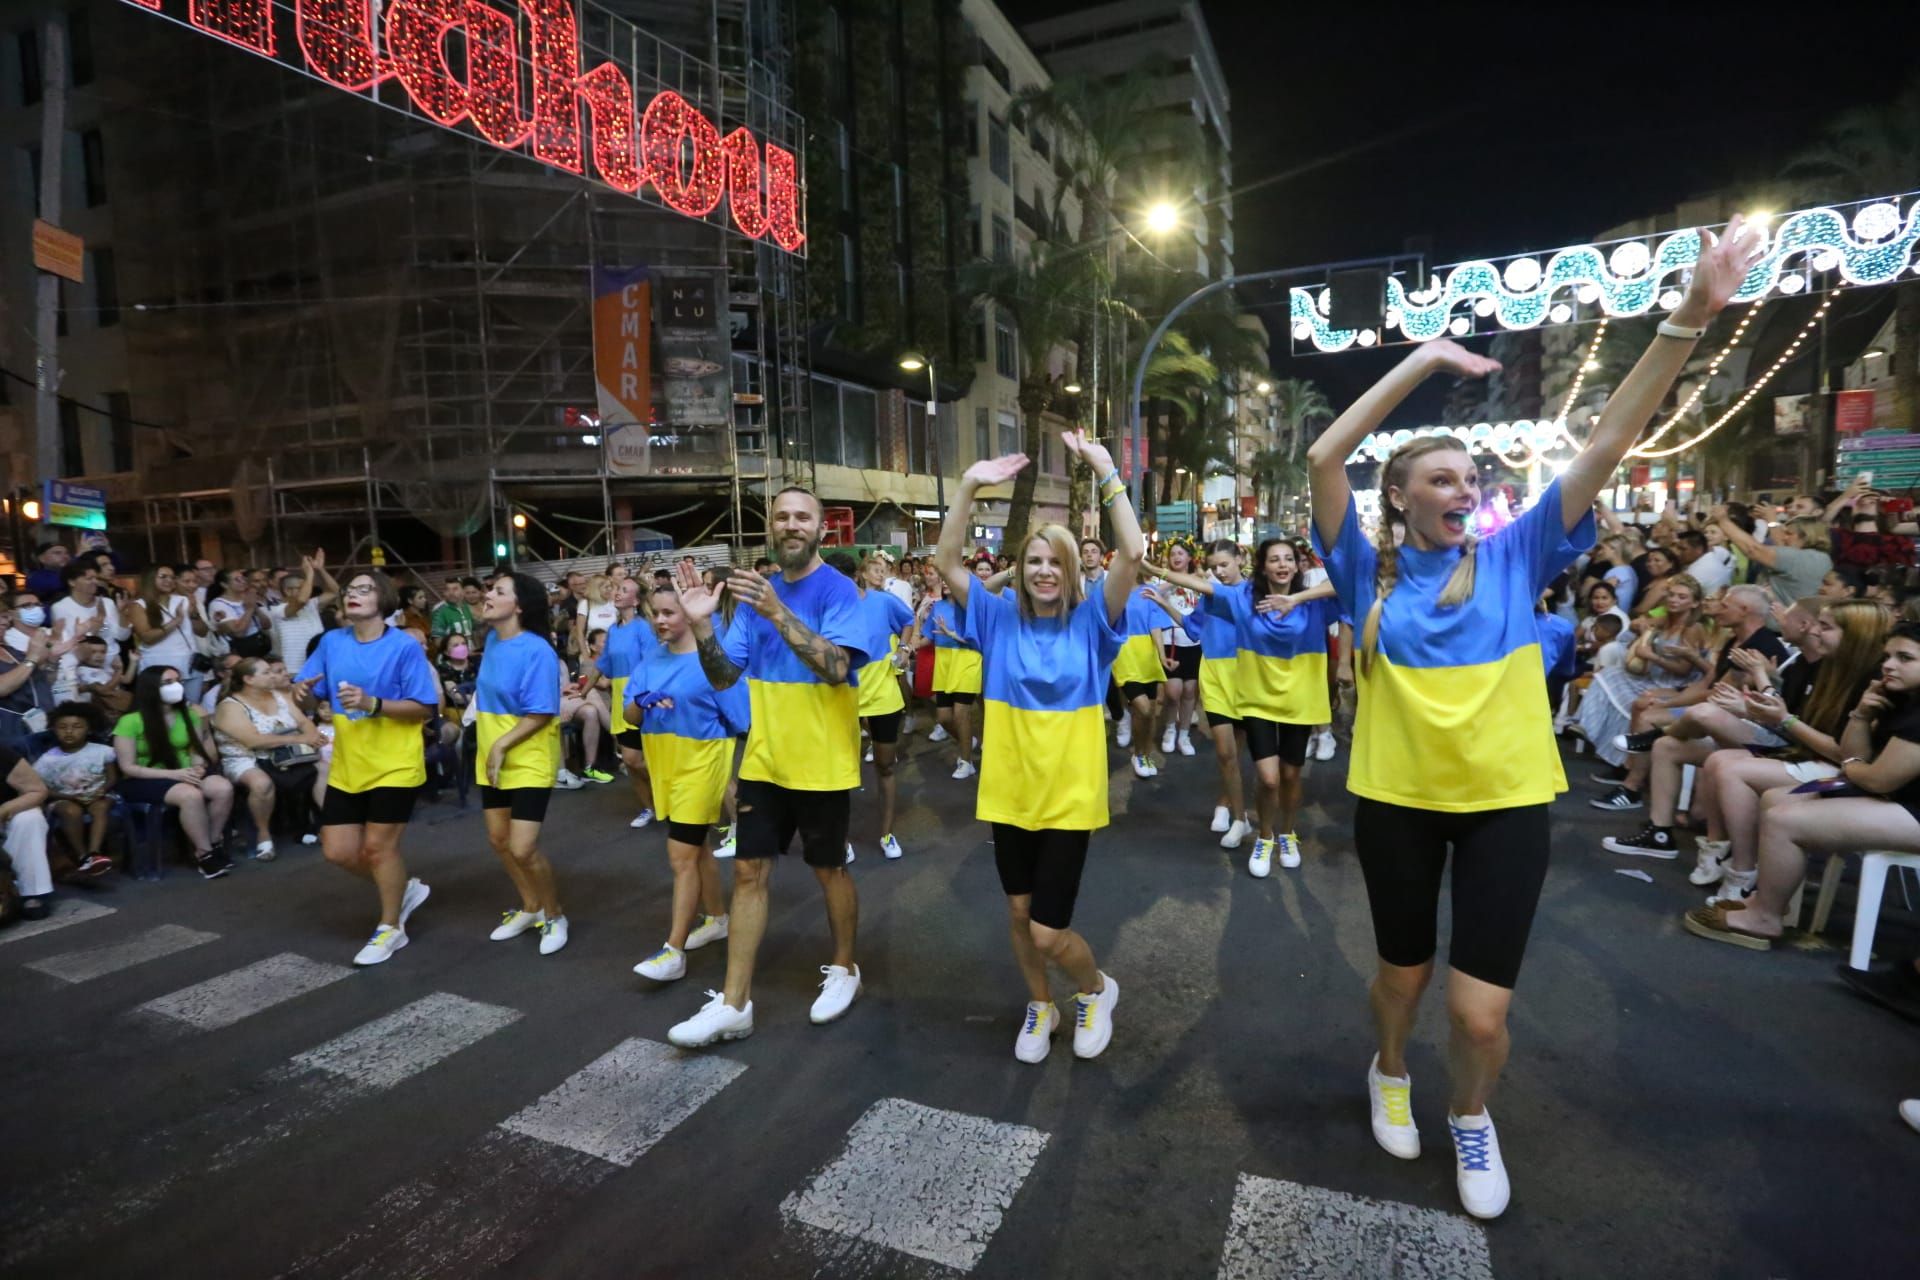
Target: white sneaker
{"points": [[710, 929], [380, 947], [513, 924], [1037, 1031], [1260, 865], [1166, 741], [1735, 886], [264, 851], [1910, 1112], [964, 770], [641, 819], [312, 837], [837, 991], [1123, 737], [890, 847], [725, 848], [906, 724], [668, 964], [1221, 819], [1327, 746], [418, 891], [1185, 743], [553, 935], [868, 757], [1093, 1019], [566, 780], [717, 1020], [939, 734], [1143, 768], [1707, 862], [1289, 850], [1238, 831], [849, 857], [1390, 1098], [1479, 1172]]}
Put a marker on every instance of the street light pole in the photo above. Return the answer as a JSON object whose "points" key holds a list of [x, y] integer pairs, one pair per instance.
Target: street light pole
{"points": [[933, 442]]}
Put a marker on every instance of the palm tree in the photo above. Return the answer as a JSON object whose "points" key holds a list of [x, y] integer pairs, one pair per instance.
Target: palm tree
{"points": [[1275, 474], [1871, 151], [1297, 405]]}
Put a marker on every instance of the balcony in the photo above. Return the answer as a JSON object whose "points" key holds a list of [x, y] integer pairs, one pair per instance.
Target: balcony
{"points": [[1031, 217]]}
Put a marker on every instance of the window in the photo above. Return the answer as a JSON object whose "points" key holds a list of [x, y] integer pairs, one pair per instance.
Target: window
{"points": [[1006, 361], [826, 420], [996, 68], [972, 112], [859, 437], [120, 430], [1009, 432], [29, 45], [93, 166], [980, 337], [1041, 147], [975, 247], [999, 152], [982, 435], [73, 460], [106, 288], [79, 47], [849, 279], [1002, 239]]}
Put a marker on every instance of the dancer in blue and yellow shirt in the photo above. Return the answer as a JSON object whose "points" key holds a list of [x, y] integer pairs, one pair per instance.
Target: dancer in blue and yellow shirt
{"points": [[882, 706], [515, 701], [620, 653], [382, 690], [1140, 671], [956, 673], [1219, 697], [1453, 744], [796, 640], [688, 729], [1047, 647]]}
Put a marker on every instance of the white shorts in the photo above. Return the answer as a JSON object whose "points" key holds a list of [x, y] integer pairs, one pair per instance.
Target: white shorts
{"points": [[1812, 770], [236, 768]]}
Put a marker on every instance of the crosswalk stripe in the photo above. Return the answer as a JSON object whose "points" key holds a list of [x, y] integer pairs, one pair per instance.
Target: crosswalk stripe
{"points": [[929, 1183], [225, 1000], [485, 1205], [123, 1184], [97, 962], [65, 911], [1290, 1231]]}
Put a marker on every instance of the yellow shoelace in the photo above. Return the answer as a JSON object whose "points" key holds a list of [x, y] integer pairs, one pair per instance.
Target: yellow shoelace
{"points": [[1397, 1098]]}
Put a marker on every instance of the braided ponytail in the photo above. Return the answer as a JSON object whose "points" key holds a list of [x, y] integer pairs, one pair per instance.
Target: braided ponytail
{"points": [[1385, 575], [1459, 587]]}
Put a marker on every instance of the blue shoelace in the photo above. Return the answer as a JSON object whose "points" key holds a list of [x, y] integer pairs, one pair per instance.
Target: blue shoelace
{"points": [[1472, 1145], [1033, 1019]]}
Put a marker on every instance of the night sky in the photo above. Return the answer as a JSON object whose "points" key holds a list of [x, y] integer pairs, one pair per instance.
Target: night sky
{"points": [[1514, 128]]}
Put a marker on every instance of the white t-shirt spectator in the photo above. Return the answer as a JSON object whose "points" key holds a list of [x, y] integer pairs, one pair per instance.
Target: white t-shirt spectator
{"points": [[220, 609], [600, 617], [177, 648], [292, 635], [1610, 655], [75, 683], [75, 775], [102, 617], [1713, 570], [900, 589]]}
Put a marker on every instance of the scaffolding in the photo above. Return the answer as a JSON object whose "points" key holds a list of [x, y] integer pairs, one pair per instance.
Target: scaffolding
{"points": [[369, 327]]}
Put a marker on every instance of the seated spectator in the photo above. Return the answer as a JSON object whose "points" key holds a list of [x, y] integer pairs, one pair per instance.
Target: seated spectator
{"points": [[29, 654], [79, 774], [1843, 582], [166, 756], [267, 744], [85, 676], [1663, 668], [217, 682], [22, 798], [1794, 559], [413, 611], [583, 704], [1704, 559], [1870, 804]]}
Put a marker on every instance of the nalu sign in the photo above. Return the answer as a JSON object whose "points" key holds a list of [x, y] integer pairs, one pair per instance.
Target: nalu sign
{"points": [[514, 75]]}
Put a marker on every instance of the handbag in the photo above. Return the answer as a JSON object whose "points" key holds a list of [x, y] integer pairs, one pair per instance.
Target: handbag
{"points": [[257, 645]]}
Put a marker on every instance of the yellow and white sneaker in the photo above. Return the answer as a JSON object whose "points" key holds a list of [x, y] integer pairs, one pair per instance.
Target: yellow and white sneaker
{"points": [[1390, 1099], [1037, 1031]]}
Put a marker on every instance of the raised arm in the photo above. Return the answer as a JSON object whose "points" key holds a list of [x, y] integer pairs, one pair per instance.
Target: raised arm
{"points": [[1129, 544], [947, 556], [698, 601], [302, 593], [1199, 584], [1848, 496], [1327, 458], [1722, 266], [822, 656], [1749, 546]]}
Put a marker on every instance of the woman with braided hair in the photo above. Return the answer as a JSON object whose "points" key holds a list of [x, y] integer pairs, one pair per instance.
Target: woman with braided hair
{"points": [[1453, 744]]}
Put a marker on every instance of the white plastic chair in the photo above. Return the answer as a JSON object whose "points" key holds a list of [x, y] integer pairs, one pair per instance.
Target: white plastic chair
{"points": [[1866, 916], [1685, 803]]}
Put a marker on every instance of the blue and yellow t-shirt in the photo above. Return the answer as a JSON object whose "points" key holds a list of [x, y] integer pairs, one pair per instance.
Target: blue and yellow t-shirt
{"points": [[806, 732], [1453, 709], [956, 663], [1139, 658], [519, 677], [689, 746], [373, 751], [619, 654], [884, 617], [1280, 664], [1219, 649], [1043, 750]]}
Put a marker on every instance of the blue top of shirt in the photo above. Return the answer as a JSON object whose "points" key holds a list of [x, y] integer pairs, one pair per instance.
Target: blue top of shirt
{"points": [[1142, 616], [519, 677], [1044, 664], [620, 653], [826, 602], [391, 667], [1303, 630], [948, 611], [1556, 643], [698, 711], [885, 617]]}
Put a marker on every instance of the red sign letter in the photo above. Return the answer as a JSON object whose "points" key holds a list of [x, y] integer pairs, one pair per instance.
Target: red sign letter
{"points": [[417, 42], [610, 113], [493, 76], [669, 120], [337, 37], [556, 65], [743, 182], [245, 22], [783, 198]]}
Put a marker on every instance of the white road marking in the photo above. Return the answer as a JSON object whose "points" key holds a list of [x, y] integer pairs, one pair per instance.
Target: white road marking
{"points": [[480, 1208], [97, 962], [225, 1000], [65, 911], [928, 1183], [1290, 1231], [244, 1123], [621, 1103]]}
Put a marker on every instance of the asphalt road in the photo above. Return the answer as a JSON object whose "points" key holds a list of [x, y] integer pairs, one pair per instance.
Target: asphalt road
{"points": [[195, 1083]]}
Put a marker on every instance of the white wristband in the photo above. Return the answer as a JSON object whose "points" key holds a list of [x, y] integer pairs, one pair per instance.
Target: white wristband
{"points": [[1668, 329]]}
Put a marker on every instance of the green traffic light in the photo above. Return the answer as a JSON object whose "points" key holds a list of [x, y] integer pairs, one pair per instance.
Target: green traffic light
{"points": [[500, 551]]}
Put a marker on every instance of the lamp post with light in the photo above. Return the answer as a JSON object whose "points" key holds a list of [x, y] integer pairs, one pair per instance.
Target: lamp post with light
{"points": [[914, 362]]}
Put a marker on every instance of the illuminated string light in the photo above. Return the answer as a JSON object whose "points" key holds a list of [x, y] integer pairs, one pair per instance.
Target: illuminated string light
{"points": [[337, 38], [669, 123], [417, 45], [248, 23], [1588, 362], [1713, 367], [744, 200], [610, 108], [493, 77], [555, 46], [1746, 398]]}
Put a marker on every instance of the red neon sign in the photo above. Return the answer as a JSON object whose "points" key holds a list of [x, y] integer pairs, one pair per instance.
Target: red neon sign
{"points": [[670, 146]]}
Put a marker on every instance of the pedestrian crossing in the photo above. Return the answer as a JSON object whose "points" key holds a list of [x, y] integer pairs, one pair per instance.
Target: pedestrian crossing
{"points": [[910, 1189]]}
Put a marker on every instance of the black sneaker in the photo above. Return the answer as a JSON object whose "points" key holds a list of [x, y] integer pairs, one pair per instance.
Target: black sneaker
{"points": [[1619, 799], [1638, 742], [1897, 988], [213, 864], [1648, 842], [1612, 777]]}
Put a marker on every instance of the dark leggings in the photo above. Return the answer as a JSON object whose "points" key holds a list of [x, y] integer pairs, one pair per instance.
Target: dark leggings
{"points": [[1499, 865]]}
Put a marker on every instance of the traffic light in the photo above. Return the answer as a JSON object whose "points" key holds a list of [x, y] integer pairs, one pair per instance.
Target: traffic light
{"points": [[30, 509], [519, 519], [499, 551]]}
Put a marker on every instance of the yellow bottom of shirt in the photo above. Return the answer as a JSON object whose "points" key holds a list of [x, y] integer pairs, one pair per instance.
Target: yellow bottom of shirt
{"points": [[531, 762], [689, 776], [956, 671], [880, 689], [1138, 662], [1217, 684], [1043, 769]]}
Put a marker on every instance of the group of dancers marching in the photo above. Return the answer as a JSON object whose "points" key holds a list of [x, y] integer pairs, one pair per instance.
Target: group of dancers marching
{"points": [[1453, 748]]}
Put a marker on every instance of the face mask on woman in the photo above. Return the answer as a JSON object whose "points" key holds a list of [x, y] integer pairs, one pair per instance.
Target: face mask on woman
{"points": [[457, 652], [173, 693], [31, 615]]}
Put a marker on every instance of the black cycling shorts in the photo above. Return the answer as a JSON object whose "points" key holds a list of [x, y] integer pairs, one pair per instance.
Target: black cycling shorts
{"points": [[376, 806], [1186, 661], [693, 833], [630, 739], [950, 699], [885, 730], [1269, 738], [1045, 865], [528, 804], [770, 816], [1499, 865], [1148, 689]]}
